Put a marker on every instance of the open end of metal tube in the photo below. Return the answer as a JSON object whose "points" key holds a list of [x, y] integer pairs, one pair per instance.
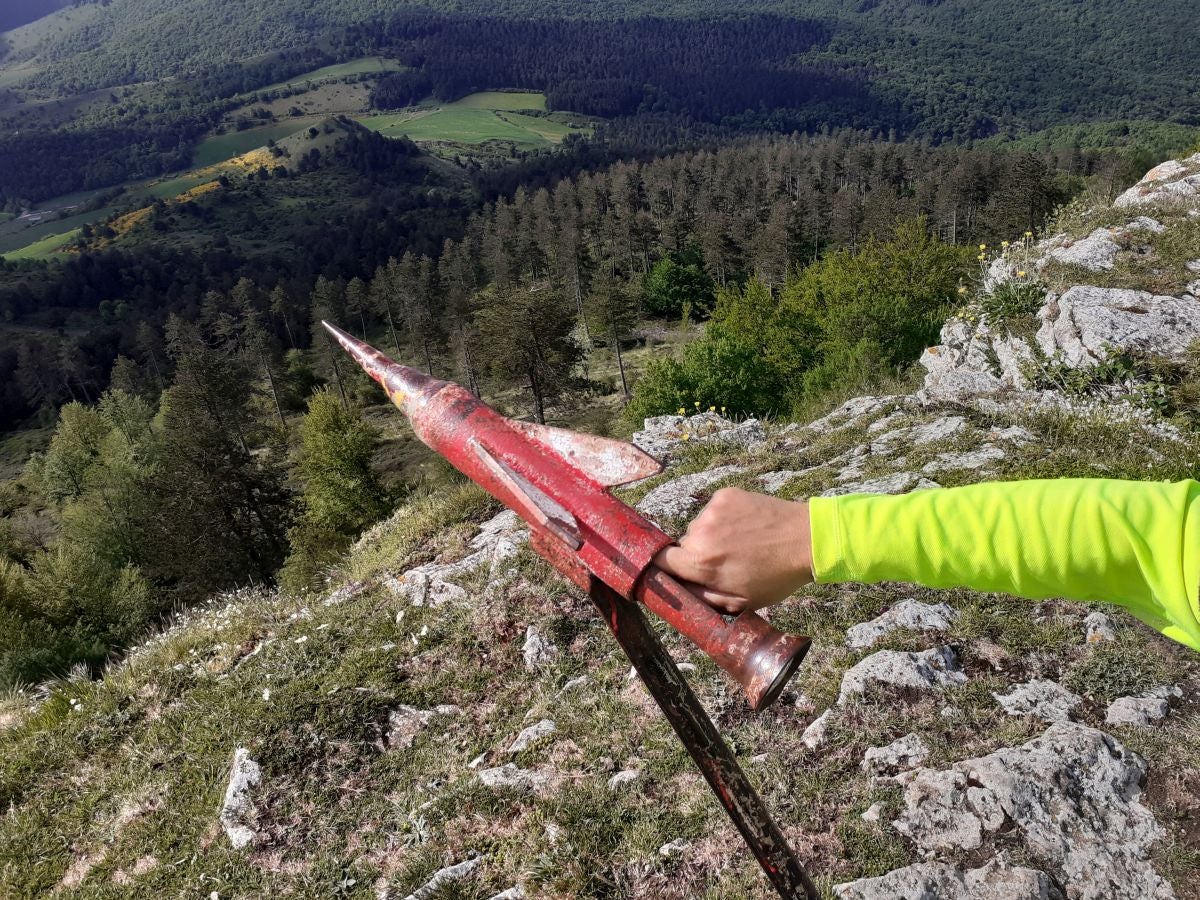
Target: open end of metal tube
{"points": [[786, 671]]}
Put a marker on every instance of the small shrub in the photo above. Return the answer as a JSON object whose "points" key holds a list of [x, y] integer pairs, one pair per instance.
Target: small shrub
{"points": [[1118, 669], [1012, 299]]}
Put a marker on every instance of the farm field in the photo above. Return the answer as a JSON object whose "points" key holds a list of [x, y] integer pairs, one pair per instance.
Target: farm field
{"points": [[477, 119], [369, 65], [223, 147]]}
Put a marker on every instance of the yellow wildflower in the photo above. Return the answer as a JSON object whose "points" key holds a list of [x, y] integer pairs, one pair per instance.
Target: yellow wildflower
{"points": [[697, 404], [686, 436], [962, 290], [981, 257], [1021, 274], [1004, 243], [682, 411], [983, 246], [1029, 234]]}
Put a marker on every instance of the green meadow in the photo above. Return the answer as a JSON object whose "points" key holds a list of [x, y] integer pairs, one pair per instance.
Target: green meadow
{"points": [[222, 147], [477, 119], [368, 65]]}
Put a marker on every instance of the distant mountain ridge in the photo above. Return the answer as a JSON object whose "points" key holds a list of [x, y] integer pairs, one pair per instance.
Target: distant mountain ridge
{"points": [[15, 13], [1069, 62]]}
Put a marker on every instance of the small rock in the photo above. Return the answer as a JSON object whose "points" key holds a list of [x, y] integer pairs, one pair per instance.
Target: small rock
{"points": [[509, 776], [1047, 700], [1140, 711], [890, 484], [1099, 628], [623, 779], [532, 734], [237, 808], [677, 498], [971, 459], [908, 613], [516, 892], [673, 848], [906, 753], [405, 722], [663, 436], [929, 669], [444, 877], [814, 734], [538, 651], [774, 482], [873, 813], [1014, 434]]}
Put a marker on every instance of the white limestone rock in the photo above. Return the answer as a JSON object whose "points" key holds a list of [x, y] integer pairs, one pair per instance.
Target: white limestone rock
{"points": [[906, 753], [908, 613], [998, 880], [538, 651], [237, 809], [1096, 252], [774, 482], [1140, 711], [971, 459], [624, 779], [532, 735], [852, 412], [1099, 628], [972, 361], [814, 735], [1087, 323], [888, 484], [928, 670], [678, 497], [1047, 700], [663, 436], [1071, 797], [509, 777], [406, 722], [516, 892], [873, 813], [1174, 182], [443, 877]]}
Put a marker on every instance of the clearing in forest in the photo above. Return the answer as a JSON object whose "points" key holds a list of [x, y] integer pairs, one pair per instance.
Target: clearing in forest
{"points": [[478, 119]]}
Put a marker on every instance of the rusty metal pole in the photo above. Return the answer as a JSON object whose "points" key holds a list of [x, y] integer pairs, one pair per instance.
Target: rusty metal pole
{"points": [[707, 748]]}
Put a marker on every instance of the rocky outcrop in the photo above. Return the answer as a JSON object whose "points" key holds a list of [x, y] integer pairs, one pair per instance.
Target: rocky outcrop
{"points": [[928, 670], [936, 881], [1071, 796], [909, 613], [1173, 182], [663, 436], [1085, 325], [682, 495], [1046, 700]]}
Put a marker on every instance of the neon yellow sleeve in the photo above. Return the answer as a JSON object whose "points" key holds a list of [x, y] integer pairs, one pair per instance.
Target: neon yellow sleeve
{"points": [[1135, 544]]}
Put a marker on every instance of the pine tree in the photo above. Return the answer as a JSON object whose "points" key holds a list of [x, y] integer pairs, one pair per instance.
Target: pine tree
{"points": [[342, 495], [526, 331], [218, 514]]}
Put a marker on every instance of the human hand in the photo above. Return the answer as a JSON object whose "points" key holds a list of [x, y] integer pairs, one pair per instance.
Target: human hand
{"points": [[744, 551]]}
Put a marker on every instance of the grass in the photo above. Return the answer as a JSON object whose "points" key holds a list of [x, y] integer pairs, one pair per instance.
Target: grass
{"points": [[485, 117], [45, 248], [367, 65], [223, 147]]}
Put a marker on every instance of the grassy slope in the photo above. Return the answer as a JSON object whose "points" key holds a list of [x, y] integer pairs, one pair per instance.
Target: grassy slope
{"points": [[477, 119], [118, 792]]}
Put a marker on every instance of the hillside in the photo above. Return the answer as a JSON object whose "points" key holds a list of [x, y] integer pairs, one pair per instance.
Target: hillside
{"points": [[1054, 61], [447, 712]]}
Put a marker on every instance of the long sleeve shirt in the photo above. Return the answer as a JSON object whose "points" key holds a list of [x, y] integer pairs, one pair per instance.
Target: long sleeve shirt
{"points": [[1134, 544]]}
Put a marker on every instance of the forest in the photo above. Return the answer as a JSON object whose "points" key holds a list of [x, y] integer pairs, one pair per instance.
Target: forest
{"points": [[189, 359], [792, 190]]}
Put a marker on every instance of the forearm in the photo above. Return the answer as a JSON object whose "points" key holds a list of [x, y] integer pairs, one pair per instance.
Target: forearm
{"points": [[1129, 543]]}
